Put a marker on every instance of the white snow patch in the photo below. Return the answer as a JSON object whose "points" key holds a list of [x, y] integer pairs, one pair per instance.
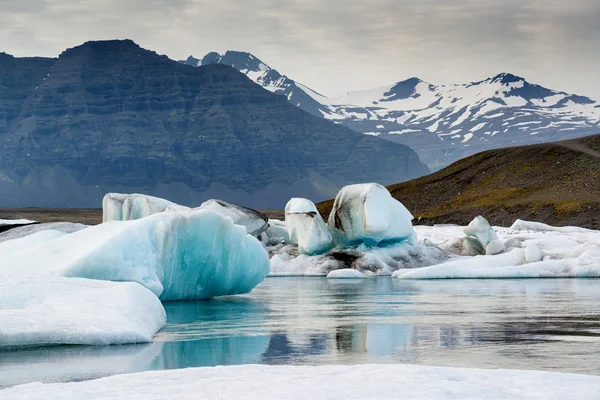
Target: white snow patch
{"points": [[52, 310], [352, 382]]}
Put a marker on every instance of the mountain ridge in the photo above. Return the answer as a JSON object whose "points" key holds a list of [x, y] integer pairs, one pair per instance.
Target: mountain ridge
{"points": [[444, 123], [112, 116]]}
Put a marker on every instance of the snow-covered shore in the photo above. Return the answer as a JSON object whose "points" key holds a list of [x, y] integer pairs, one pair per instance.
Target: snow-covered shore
{"points": [[386, 381]]}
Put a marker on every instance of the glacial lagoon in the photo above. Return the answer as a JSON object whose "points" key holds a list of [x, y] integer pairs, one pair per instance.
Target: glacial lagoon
{"points": [[542, 324]]}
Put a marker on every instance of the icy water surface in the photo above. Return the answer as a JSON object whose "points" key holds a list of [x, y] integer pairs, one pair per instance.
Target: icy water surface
{"points": [[526, 324]]}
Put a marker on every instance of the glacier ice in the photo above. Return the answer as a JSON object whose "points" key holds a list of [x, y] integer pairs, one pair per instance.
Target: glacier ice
{"points": [[51, 228], [367, 213], [306, 227], [276, 233], [54, 310], [533, 253], [481, 230], [125, 207], [255, 222], [177, 255], [368, 260], [347, 273]]}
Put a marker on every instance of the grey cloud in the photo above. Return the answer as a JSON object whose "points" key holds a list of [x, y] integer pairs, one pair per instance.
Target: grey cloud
{"points": [[338, 45]]}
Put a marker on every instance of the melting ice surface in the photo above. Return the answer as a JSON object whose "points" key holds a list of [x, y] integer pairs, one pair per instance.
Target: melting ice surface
{"points": [[177, 255], [548, 324]]}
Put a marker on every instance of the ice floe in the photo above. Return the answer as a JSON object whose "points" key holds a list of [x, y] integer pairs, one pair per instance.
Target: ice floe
{"points": [[367, 213], [389, 381], [255, 222], [125, 207], [177, 255], [306, 227], [53, 310]]}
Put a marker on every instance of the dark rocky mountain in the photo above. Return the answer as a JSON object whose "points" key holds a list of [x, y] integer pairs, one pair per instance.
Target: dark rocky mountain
{"points": [[556, 183], [443, 123], [111, 116]]}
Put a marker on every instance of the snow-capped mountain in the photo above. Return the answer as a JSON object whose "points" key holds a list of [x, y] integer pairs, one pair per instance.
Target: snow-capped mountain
{"points": [[443, 123]]}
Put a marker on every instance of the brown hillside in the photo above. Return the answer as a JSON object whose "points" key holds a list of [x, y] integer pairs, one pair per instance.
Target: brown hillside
{"points": [[556, 183]]}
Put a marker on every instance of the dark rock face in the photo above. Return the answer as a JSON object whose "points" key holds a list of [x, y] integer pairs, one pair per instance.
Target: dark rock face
{"points": [[111, 116]]}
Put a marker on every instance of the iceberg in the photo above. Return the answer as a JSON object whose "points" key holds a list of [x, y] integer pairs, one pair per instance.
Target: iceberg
{"points": [[51, 228], [347, 273], [255, 222], [53, 310], [126, 207], [177, 255], [367, 213], [275, 234], [481, 230], [306, 227], [366, 260], [375, 381]]}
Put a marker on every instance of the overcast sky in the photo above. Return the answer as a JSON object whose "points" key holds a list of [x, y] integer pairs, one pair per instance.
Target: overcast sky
{"points": [[336, 46]]}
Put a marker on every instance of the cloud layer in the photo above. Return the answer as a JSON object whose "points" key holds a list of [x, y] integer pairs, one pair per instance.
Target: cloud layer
{"points": [[337, 45]]}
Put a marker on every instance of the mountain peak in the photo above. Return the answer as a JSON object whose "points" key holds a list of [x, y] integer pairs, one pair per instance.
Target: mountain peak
{"points": [[506, 78], [239, 60]]}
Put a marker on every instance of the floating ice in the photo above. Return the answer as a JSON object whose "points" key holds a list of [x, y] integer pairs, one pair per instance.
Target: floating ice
{"points": [[306, 227], [276, 233], [52, 310], [481, 230], [347, 273], [177, 255], [367, 213], [264, 382], [52, 229], [126, 207], [14, 222], [533, 253], [367, 260], [255, 222]]}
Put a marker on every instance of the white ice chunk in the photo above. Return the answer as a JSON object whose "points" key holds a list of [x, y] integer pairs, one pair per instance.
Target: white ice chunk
{"points": [[494, 247], [347, 273], [10, 222], [277, 232], [255, 222], [521, 225], [177, 255], [52, 310], [533, 253], [125, 207], [367, 213], [510, 265], [352, 382], [481, 230], [306, 227], [366, 259]]}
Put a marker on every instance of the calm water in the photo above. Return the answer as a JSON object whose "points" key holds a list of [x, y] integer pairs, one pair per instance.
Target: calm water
{"points": [[525, 324]]}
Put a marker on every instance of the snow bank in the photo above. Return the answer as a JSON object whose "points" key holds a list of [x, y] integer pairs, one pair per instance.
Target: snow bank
{"points": [[177, 255], [367, 213], [255, 222], [306, 227], [51, 310], [263, 382], [126, 207]]}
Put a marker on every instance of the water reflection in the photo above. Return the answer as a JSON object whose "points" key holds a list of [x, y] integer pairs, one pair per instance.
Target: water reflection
{"points": [[529, 324]]}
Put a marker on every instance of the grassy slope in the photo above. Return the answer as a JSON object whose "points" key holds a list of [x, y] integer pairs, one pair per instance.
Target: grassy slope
{"points": [[556, 183]]}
